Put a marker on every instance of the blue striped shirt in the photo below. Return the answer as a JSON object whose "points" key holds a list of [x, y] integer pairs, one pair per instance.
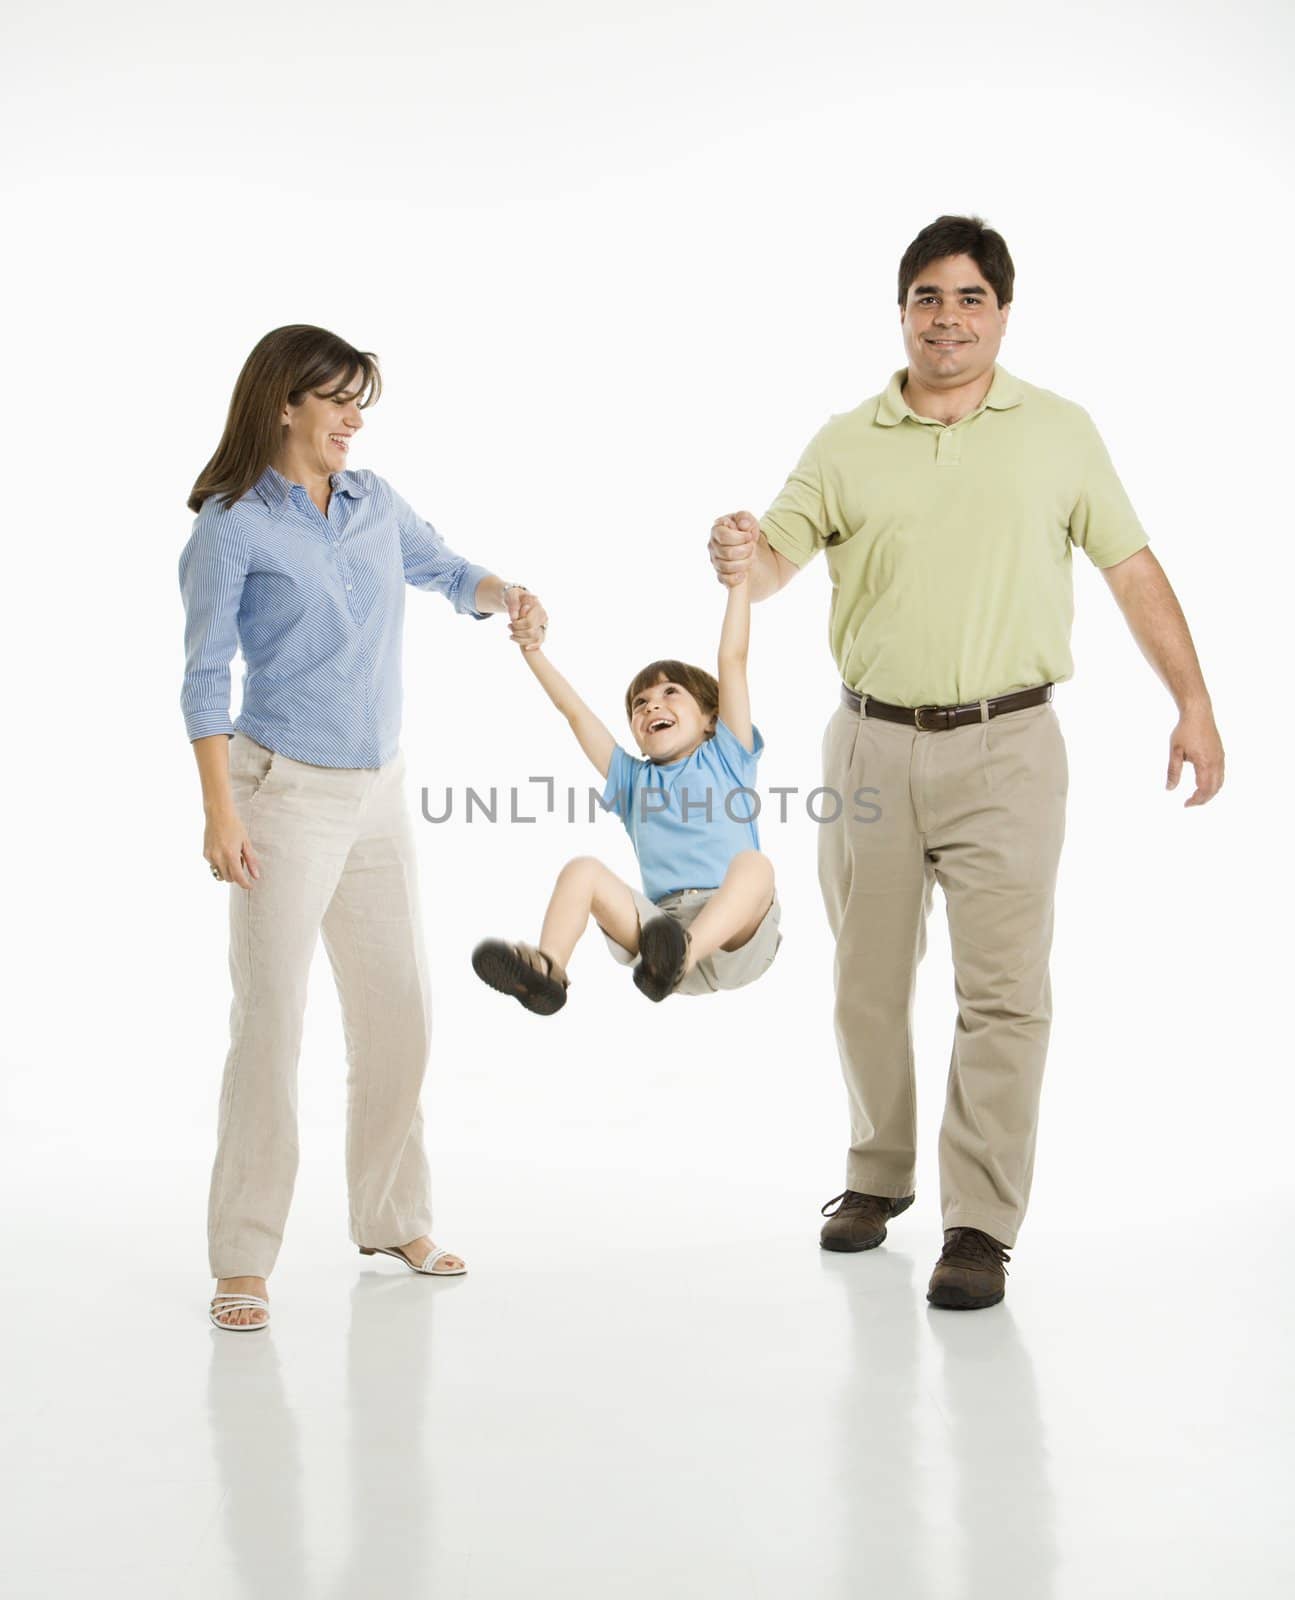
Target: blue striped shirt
{"points": [[316, 604]]}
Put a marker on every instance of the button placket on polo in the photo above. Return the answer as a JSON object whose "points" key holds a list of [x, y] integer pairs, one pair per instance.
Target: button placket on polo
{"points": [[948, 436]]}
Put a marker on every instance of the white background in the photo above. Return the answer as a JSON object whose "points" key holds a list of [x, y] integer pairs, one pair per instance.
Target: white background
{"points": [[618, 264]]}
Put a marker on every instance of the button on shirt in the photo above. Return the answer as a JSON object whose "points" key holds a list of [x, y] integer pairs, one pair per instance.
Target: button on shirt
{"points": [[685, 818], [949, 546], [316, 604]]}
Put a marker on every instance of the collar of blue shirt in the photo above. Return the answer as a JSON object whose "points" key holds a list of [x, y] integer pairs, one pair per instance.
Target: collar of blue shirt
{"points": [[274, 488]]}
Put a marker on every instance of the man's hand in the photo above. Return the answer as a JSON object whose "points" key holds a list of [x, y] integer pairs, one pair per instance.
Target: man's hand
{"points": [[1196, 739], [732, 547], [527, 619]]}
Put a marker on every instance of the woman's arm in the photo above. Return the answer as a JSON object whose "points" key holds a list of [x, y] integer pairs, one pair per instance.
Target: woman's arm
{"points": [[595, 739], [225, 844], [430, 564], [735, 635], [213, 570]]}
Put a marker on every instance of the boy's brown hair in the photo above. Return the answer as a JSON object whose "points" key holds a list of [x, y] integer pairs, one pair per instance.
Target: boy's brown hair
{"points": [[699, 683]]}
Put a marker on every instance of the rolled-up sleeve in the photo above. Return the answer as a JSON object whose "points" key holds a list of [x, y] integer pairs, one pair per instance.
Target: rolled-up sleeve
{"points": [[1103, 523], [797, 524], [213, 570], [430, 563]]}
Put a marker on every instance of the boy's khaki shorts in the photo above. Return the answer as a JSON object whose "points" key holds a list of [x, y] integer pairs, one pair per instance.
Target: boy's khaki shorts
{"points": [[725, 969]]}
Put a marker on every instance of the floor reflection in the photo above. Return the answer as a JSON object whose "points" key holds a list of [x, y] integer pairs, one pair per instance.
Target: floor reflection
{"points": [[256, 1442], [946, 1492], [389, 1394], [1003, 1505], [885, 1468]]}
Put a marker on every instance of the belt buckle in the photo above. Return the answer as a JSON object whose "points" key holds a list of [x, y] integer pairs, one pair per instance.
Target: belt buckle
{"points": [[939, 727]]}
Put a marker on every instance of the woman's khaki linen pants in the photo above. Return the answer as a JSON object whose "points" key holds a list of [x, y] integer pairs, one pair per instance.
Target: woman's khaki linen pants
{"points": [[336, 853], [980, 808]]}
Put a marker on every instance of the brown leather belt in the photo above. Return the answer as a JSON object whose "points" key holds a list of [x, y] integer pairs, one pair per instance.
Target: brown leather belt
{"points": [[933, 719]]}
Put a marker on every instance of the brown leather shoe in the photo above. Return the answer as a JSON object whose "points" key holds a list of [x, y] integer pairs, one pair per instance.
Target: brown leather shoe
{"points": [[859, 1221], [970, 1273]]}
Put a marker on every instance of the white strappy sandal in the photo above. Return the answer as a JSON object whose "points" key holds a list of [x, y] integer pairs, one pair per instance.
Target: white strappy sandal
{"points": [[427, 1267], [238, 1302]]}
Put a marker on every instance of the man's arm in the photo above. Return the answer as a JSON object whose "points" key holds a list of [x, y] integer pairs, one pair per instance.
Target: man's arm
{"points": [[595, 738], [734, 695], [738, 548], [1156, 621]]}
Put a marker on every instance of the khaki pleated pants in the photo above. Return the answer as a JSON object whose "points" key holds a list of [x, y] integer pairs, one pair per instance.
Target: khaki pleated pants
{"points": [[980, 809], [336, 852]]}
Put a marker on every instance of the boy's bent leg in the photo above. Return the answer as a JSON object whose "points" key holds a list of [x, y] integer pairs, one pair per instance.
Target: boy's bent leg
{"points": [[877, 889], [586, 887], [374, 938], [736, 909]]}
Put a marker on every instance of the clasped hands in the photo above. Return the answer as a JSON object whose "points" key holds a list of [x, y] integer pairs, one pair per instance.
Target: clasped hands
{"points": [[527, 618], [732, 547]]}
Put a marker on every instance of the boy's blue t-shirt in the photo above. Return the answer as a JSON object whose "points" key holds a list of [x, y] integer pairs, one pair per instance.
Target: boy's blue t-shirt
{"points": [[693, 851]]}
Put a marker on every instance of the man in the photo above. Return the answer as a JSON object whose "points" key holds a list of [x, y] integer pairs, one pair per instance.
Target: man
{"points": [[948, 506]]}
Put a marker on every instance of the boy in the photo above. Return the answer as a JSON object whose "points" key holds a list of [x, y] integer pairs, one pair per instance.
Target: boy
{"points": [[709, 916]]}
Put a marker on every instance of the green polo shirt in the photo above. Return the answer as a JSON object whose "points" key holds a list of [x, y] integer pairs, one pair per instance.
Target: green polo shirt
{"points": [[949, 547]]}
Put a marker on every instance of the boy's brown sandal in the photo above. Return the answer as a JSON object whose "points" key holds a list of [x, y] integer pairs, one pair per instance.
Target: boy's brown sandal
{"points": [[530, 976], [663, 954], [970, 1273], [859, 1221]]}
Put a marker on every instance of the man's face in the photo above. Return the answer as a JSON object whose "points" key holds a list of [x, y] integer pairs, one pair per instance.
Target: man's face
{"points": [[952, 324]]}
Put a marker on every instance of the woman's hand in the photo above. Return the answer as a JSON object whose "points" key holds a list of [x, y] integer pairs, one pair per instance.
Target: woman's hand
{"points": [[527, 619], [226, 847]]}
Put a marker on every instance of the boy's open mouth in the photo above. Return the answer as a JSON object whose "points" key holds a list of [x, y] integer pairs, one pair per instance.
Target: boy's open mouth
{"points": [[659, 724]]}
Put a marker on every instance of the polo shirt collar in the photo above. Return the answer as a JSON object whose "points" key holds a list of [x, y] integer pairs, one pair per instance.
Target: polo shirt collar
{"points": [[1004, 392], [274, 489]]}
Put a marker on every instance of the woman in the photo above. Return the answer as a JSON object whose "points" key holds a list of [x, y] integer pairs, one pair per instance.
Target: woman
{"points": [[302, 564]]}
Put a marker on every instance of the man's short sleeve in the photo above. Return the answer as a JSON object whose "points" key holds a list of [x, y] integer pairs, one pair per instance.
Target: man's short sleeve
{"points": [[1103, 523], [796, 525], [618, 795]]}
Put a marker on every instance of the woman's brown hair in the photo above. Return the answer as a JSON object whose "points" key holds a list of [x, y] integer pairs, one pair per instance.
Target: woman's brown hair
{"points": [[699, 683], [285, 366], [960, 236]]}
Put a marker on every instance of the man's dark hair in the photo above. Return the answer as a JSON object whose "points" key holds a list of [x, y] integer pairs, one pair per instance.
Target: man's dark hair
{"points": [[960, 236]]}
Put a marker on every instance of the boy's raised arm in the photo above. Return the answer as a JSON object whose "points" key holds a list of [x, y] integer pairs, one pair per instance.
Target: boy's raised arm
{"points": [[595, 739], [734, 696]]}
